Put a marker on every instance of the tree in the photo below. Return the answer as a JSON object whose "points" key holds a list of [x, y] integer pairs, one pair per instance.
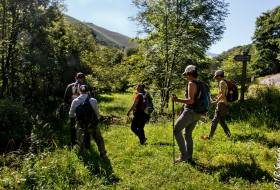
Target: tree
{"points": [[178, 33], [267, 42], [233, 69], [24, 24]]}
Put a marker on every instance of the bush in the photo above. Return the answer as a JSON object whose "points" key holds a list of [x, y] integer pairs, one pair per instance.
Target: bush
{"points": [[55, 170], [260, 109], [15, 126]]}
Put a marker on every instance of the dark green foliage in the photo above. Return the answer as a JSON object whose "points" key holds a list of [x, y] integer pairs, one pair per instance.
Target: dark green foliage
{"points": [[233, 69], [15, 128], [179, 33], [266, 39], [261, 109], [44, 136], [264, 50]]}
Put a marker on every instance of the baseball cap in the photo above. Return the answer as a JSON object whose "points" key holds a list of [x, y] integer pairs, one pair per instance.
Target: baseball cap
{"points": [[80, 75], [189, 69], [219, 73]]}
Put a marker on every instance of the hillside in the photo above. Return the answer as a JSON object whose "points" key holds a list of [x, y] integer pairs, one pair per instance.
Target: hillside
{"points": [[106, 37]]}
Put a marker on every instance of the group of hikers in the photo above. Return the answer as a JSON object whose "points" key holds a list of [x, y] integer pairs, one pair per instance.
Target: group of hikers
{"points": [[84, 112]]}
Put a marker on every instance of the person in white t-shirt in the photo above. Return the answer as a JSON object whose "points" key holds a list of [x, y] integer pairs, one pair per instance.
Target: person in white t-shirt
{"points": [[90, 125]]}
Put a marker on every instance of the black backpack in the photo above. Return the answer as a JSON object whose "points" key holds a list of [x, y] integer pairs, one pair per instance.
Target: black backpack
{"points": [[85, 113], [202, 98], [232, 91], [148, 104]]}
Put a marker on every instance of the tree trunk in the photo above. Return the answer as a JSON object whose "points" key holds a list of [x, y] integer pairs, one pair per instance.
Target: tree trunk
{"points": [[164, 88], [3, 52], [10, 60], [169, 65]]}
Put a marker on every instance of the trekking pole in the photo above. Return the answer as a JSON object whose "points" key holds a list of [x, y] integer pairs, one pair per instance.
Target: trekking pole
{"points": [[173, 118]]}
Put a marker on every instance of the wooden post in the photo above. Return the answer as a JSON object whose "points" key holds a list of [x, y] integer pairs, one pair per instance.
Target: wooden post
{"points": [[244, 58], [244, 78]]}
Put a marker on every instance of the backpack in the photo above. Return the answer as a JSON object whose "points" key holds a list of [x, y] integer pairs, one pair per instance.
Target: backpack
{"points": [[85, 113], [232, 91], [202, 98], [75, 90], [148, 104]]}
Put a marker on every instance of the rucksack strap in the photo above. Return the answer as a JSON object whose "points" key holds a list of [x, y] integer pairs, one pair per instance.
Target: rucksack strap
{"points": [[197, 83], [227, 82]]}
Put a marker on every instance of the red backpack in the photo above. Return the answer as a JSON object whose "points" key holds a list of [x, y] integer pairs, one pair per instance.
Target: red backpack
{"points": [[232, 92]]}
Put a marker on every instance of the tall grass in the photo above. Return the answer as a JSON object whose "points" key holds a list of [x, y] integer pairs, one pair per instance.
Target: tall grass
{"points": [[277, 171], [246, 161], [260, 109]]}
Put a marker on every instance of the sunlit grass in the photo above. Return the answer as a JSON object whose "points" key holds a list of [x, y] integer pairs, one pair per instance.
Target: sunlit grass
{"points": [[243, 162]]}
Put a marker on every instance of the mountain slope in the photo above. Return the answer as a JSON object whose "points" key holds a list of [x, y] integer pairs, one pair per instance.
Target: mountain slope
{"points": [[104, 36]]}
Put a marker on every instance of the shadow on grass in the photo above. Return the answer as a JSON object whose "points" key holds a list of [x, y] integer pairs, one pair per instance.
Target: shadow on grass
{"points": [[104, 98], [162, 144], [256, 137], [99, 166], [260, 109], [118, 109], [247, 171]]}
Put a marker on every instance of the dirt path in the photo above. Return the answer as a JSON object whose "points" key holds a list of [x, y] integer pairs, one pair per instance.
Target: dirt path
{"points": [[271, 80]]}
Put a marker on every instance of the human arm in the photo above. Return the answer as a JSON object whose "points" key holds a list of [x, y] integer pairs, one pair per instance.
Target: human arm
{"points": [[72, 109], [95, 107], [67, 94], [133, 107], [191, 95], [222, 92]]}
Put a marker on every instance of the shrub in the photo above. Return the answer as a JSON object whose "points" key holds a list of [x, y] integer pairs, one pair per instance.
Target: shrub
{"points": [[260, 109], [15, 125]]}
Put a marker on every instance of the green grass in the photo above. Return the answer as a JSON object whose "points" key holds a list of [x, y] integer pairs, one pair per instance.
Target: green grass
{"points": [[244, 162]]}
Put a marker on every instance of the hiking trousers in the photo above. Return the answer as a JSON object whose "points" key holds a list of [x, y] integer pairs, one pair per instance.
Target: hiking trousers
{"points": [[138, 123], [73, 131], [92, 130], [187, 121], [220, 113]]}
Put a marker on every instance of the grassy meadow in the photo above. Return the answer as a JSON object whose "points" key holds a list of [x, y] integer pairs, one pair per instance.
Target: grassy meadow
{"points": [[246, 161]]}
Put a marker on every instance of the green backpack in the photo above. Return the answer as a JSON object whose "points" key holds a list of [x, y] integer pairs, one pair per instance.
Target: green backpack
{"points": [[202, 98]]}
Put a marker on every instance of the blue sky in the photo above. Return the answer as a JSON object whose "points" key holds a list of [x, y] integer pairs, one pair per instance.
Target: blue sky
{"points": [[113, 15]]}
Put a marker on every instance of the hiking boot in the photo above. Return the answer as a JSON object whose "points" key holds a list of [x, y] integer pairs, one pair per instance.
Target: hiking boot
{"points": [[205, 137], [143, 141], [191, 162], [103, 155], [178, 160], [228, 135]]}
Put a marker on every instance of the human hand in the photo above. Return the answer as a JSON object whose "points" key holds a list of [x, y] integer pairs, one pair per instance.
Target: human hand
{"points": [[213, 102], [174, 98]]}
